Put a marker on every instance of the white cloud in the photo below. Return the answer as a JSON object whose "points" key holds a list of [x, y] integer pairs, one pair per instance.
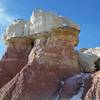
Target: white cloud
{"points": [[5, 18]]}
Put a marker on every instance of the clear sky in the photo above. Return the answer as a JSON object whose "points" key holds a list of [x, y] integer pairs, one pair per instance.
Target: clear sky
{"points": [[86, 13]]}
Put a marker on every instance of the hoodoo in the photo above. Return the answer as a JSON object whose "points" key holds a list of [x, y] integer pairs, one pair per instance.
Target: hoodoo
{"points": [[40, 62]]}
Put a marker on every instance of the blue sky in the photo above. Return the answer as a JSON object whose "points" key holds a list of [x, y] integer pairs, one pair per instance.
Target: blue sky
{"points": [[86, 13]]}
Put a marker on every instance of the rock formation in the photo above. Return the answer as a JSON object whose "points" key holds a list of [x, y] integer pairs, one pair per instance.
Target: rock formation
{"points": [[40, 62], [89, 59], [94, 90]]}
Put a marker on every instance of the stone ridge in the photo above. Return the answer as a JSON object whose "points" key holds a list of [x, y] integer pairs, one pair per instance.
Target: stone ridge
{"points": [[40, 22]]}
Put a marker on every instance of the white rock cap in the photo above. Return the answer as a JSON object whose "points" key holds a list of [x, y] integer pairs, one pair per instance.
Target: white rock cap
{"points": [[39, 22]]}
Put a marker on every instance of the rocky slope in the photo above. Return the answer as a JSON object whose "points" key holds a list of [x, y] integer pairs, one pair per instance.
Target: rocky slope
{"points": [[40, 62]]}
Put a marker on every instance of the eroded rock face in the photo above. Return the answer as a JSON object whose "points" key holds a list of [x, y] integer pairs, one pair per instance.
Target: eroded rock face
{"points": [[45, 21], [18, 28], [18, 48], [97, 64], [57, 49], [73, 87], [50, 40], [51, 60], [40, 62], [39, 22], [88, 59], [94, 91], [15, 57]]}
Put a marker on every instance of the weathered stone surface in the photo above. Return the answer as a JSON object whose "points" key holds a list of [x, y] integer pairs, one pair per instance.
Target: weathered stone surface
{"points": [[18, 48], [83, 49], [40, 22], [41, 64], [14, 59], [94, 91], [45, 21], [9, 68], [51, 60], [46, 51], [97, 64], [16, 29], [88, 58], [73, 87], [40, 83]]}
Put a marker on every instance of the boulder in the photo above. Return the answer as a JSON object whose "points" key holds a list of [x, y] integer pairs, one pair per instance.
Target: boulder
{"points": [[88, 58]]}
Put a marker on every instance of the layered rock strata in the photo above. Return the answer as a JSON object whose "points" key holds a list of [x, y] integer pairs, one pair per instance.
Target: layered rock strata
{"points": [[40, 62]]}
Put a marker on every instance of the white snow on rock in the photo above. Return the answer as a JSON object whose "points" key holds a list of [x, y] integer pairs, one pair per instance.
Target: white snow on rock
{"points": [[78, 95], [89, 57], [39, 22], [83, 77]]}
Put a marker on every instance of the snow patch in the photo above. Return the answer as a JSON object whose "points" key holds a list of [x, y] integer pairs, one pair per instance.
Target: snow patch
{"points": [[80, 92], [62, 83], [78, 95], [57, 98]]}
